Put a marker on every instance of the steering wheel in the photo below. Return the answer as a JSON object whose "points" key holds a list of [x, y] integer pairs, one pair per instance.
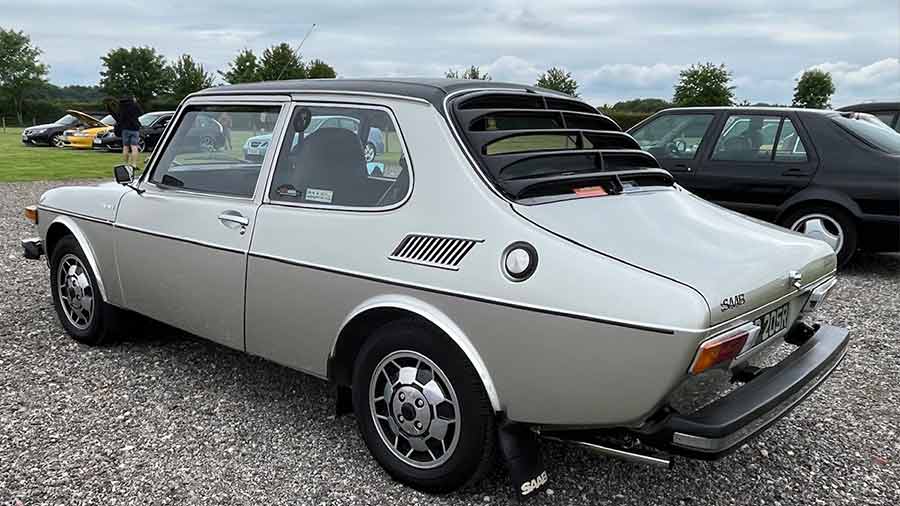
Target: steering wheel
{"points": [[677, 146]]}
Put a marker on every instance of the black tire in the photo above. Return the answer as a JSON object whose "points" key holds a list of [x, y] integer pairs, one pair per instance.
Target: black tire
{"points": [[474, 453], [105, 319], [843, 220], [370, 152]]}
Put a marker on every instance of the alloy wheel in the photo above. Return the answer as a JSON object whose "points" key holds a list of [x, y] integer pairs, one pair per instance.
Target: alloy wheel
{"points": [[822, 227], [415, 409], [369, 152], [76, 293]]}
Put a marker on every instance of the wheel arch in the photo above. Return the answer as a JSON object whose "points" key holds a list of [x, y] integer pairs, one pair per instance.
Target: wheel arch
{"points": [[819, 196], [62, 226], [382, 309]]}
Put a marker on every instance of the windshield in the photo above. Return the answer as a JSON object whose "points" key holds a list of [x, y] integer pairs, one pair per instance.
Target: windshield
{"points": [[68, 119], [148, 119], [108, 120], [882, 138]]}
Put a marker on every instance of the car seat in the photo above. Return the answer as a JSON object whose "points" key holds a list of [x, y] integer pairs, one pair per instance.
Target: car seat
{"points": [[331, 169]]}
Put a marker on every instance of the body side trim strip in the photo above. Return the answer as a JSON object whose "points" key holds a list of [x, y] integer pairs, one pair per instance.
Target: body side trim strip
{"points": [[181, 239]]}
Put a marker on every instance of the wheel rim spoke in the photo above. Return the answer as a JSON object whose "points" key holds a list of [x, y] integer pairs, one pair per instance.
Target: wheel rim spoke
{"points": [[823, 228], [414, 409], [76, 294]]}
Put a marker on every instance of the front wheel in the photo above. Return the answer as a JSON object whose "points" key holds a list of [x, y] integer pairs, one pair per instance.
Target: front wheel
{"points": [[421, 408], [57, 141], [834, 226], [83, 313]]}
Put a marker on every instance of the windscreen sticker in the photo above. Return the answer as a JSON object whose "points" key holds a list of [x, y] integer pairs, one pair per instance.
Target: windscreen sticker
{"points": [[316, 195], [590, 191]]}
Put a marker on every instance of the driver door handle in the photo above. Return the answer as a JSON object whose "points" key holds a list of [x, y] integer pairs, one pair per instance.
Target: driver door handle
{"points": [[685, 168], [234, 217]]}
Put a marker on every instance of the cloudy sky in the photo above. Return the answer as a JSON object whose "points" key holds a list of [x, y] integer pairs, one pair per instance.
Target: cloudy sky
{"points": [[616, 49]]}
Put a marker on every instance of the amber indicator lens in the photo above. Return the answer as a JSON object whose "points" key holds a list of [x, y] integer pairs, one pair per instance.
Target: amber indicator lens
{"points": [[717, 351], [31, 213]]}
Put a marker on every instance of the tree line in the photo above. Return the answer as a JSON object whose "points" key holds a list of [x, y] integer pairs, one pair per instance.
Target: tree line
{"points": [[141, 72], [148, 76]]}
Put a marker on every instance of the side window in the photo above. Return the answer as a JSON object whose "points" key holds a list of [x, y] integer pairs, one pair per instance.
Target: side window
{"points": [[747, 138], [203, 156], [677, 136], [341, 156], [886, 117], [790, 146]]}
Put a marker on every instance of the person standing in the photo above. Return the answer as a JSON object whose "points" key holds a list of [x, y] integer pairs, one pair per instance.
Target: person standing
{"points": [[129, 112], [227, 123]]}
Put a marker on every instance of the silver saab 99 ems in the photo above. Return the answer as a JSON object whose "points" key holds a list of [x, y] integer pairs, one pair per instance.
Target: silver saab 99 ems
{"points": [[511, 267]]}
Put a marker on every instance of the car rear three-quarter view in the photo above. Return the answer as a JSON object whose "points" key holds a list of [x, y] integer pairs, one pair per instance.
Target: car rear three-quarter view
{"points": [[506, 265]]}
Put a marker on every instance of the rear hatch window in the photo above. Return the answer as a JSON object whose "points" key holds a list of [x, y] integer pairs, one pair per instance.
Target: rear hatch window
{"points": [[871, 132], [534, 148]]}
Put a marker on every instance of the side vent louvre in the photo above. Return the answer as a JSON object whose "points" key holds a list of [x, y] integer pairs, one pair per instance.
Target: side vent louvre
{"points": [[433, 251]]}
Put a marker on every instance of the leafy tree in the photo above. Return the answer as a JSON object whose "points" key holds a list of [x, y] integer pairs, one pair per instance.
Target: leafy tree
{"points": [[318, 69], [814, 90], [704, 85], [648, 105], [558, 79], [280, 62], [243, 69], [473, 72], [21, 73], [188, 77], [139, 71]]}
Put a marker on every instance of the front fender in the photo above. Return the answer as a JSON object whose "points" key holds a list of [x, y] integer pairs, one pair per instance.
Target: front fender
{"points": [[76, 231]]}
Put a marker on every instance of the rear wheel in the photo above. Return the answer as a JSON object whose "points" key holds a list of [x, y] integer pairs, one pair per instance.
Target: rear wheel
{"points": [[83, 313], [421, 408], [370, 152], [826, 223], [57, 141]]}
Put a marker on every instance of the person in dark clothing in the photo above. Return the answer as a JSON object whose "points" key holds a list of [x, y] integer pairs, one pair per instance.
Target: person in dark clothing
{"points": [[127, 121]]}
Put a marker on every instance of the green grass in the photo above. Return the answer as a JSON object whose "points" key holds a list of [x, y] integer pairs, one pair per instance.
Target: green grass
{"points": [[19, 162]]}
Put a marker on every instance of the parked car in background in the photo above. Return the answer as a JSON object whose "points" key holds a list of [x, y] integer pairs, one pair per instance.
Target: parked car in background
{"points": [[830, 175], [255, 147], [51, 134], [528, 270], [887, 112], [153, 124], [83, 137]]}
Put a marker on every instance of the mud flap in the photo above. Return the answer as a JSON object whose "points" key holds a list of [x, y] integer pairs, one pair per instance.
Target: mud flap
{"points": [[522, 453]]}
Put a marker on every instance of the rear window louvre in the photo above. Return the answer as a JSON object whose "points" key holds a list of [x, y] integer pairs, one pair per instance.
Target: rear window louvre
{"points": [[515, 135]]}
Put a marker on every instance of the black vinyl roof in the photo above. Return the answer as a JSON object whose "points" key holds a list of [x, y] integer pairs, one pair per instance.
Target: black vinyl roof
{"points": [[431, 90]]}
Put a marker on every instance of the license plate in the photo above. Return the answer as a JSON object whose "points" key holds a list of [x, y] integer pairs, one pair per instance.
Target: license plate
{"points": [[773, 322], [252, 151], [97, 141]]}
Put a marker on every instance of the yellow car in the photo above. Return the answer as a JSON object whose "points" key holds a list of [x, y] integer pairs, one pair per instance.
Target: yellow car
{"points": [[83, 137]]}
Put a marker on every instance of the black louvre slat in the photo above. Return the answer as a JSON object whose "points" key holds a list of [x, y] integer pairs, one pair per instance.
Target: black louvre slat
{"points": [[600, 139]]}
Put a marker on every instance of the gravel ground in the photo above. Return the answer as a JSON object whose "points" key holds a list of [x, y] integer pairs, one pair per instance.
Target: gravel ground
{"points": [[167, 419]]}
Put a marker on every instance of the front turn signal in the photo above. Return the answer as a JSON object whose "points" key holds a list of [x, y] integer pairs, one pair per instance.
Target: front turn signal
{"points": [[31, 214]]}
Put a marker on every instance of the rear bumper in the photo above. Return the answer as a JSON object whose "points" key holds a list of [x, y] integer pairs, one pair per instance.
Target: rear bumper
{"points": [[722, 426], [32, 248]]}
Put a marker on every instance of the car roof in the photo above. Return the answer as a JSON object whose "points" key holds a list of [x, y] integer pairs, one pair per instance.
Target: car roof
{"points": [[871, 106], [750, 109], [431, 90]]}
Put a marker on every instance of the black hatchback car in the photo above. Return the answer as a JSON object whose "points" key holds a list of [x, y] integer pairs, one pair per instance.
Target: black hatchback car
{"points": [[153, 124], [830, 175]]}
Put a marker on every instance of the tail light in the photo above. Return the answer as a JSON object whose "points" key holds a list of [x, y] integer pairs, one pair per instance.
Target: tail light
{"points": [[723, 348]]}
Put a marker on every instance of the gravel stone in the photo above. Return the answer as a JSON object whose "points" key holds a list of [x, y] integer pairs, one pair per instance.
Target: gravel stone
{"points": [[166, 418]]}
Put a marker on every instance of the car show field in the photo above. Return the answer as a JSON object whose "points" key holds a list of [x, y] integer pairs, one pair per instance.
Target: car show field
{"points": [[165, 418]]}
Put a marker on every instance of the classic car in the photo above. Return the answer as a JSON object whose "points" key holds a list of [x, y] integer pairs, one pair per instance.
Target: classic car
{"points": [[255, 147], [152, 126], [51, 134], [83, 137], [887, 112], [527, 272], [830, 175]]}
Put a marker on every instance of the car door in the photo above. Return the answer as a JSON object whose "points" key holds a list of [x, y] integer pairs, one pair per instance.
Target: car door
{"points": [[676, 139], [757, 161], [181, 240]]}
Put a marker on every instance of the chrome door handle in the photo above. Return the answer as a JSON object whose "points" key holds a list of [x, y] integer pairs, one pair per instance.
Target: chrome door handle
{"points": [[234, 218]]}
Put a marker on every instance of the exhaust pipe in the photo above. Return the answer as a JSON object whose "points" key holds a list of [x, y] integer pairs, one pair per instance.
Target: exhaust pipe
{"points": [[615, 452]]}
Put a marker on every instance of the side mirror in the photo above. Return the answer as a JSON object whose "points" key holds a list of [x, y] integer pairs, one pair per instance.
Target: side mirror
{"points": [[124, 174]]}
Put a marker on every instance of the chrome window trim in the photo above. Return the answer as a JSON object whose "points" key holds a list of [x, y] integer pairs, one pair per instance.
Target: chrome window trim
{"points": [[346, 105], [144, 181]]}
